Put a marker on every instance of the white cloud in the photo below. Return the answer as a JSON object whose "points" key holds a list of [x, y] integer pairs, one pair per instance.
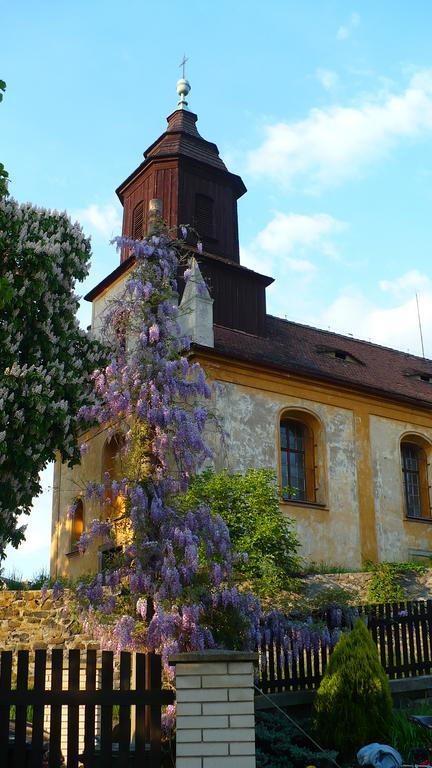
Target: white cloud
{"points": [[410, 283], [395, 326], [289, 239], [345, 30], [102, 220], [327, 78], [333, 144]]}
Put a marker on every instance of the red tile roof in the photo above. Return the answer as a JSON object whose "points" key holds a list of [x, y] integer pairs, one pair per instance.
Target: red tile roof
{"points": [[307, 351]]}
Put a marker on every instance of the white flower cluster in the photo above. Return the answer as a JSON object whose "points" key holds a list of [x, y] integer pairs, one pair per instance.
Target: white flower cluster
{"points": [[46, 360]]}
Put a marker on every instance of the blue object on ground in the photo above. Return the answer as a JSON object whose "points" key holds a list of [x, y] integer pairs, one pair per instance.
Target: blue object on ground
{"points": [[379, 756]]}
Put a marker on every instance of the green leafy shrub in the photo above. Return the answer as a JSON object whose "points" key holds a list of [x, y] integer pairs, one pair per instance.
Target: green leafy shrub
{"points": [[383, 586], [353, 705], [279, 744], [249, 504]]}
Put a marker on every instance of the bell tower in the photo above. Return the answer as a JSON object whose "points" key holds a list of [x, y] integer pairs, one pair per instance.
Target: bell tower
{"points": [[184, 173], [183, 180]]}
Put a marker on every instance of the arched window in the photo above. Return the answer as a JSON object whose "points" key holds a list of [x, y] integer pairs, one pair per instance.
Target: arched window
{"points": [[414, 459], [112, 470], [77, 525], [138, 222], [301, 477]]}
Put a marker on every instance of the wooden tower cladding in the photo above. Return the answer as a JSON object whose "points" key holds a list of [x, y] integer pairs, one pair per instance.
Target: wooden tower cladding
{"points": [[185, 172]]}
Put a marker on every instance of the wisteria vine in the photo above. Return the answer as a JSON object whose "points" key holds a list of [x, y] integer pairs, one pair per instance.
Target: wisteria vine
{"points": [[171, 589]]}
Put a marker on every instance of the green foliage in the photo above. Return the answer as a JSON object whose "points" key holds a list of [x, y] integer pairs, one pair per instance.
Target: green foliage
{"points": [[15, 581], [313, 567], [353, 705], [249, 504], [406, 736], [279, 744], [324, 599], [3, 172], [383, 586]]}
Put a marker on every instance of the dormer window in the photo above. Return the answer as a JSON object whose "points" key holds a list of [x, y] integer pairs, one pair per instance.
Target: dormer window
{"points": [[204, 218], [339, 354], [420, 375]]}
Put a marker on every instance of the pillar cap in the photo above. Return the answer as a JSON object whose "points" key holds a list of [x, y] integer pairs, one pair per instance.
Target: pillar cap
{"points": [[212, 655]]}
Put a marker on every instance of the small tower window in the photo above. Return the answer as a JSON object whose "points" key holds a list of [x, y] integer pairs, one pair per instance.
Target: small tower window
{"points": [[204, 223], [77, 525], [138, 222]]}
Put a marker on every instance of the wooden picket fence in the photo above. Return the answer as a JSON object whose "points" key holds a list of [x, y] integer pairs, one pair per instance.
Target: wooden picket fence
{"points": [[401, 631], [51, 703]]}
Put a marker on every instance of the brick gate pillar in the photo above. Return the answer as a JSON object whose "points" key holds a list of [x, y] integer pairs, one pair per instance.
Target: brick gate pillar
{"points": [[215, 709]]}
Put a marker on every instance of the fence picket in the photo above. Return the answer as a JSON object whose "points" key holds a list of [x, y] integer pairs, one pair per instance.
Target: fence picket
{"points": [[56, 713], [73, 709], [410, 629], [397, 639], [154, 674], [5, 685], [21, 709], [106, 708], [89, 710], [140, 717], [124, 717], [38, 708]]}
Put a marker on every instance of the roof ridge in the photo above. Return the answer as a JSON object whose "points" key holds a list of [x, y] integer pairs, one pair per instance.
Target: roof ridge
{"points": [[350, 338]]}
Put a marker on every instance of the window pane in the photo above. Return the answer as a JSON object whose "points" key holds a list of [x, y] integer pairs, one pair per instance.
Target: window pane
{"points": [[293, 458], [411, 460]]}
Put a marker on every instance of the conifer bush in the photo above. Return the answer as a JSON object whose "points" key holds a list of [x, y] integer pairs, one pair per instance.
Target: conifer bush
{"points": [[353, 705]]}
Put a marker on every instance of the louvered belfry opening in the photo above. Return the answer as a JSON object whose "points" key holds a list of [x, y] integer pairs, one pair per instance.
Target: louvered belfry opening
{"points": [[204, 219], [138, 222]]}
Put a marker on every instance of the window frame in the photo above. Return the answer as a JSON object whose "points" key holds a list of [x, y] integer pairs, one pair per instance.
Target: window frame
{"points": [[314, 453], [421, 472], [77, 526]]}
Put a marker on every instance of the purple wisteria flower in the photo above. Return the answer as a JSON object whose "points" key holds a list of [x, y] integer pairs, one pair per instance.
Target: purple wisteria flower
{"points": [[175, 573]]}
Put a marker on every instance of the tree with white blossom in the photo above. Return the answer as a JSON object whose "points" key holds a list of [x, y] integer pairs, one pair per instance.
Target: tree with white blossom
{"points": [[46, 359]]}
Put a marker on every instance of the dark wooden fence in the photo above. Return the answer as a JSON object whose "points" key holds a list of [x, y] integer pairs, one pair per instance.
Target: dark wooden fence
{"points": [[401, 631], [81, 690]]}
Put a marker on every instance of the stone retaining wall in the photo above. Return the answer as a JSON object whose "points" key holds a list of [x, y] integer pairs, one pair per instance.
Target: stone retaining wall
{"points": [[30, 621], [414, 585]]}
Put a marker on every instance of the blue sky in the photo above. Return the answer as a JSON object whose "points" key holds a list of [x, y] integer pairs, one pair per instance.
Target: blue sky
{"points": [[323, 107]]}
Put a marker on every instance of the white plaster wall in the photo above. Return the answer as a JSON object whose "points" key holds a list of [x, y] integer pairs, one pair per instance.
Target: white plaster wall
{"points": [[330, 532], [397, 537], [102, 301]]}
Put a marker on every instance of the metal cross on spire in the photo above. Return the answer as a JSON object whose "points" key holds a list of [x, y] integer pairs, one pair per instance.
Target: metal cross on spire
{"points": [[183, 86], [183, 64]]}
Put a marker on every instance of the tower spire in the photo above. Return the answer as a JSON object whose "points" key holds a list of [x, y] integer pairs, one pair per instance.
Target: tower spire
{"points": [[183, 86]]}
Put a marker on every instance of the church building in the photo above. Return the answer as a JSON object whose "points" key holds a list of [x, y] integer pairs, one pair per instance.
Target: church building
{"points": [[346, 423]]}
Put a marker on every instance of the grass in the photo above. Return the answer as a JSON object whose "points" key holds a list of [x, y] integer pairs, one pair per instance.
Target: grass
{"points": [[313, 568], [404, 735], [15, 581]]}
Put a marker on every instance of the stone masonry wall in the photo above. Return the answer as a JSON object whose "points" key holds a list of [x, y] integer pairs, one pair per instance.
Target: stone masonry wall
{"points": [[416, 586], [30, 621]]}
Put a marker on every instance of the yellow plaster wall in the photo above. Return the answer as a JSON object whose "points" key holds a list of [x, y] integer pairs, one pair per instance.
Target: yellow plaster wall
{"points": [[361, 512], [397, 536], [68, 483], [251, 418], [364, 516]]}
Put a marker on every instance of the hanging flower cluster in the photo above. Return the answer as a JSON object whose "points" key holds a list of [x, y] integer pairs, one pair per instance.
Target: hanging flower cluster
{"points": [[46, 360], [169, 588]]}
